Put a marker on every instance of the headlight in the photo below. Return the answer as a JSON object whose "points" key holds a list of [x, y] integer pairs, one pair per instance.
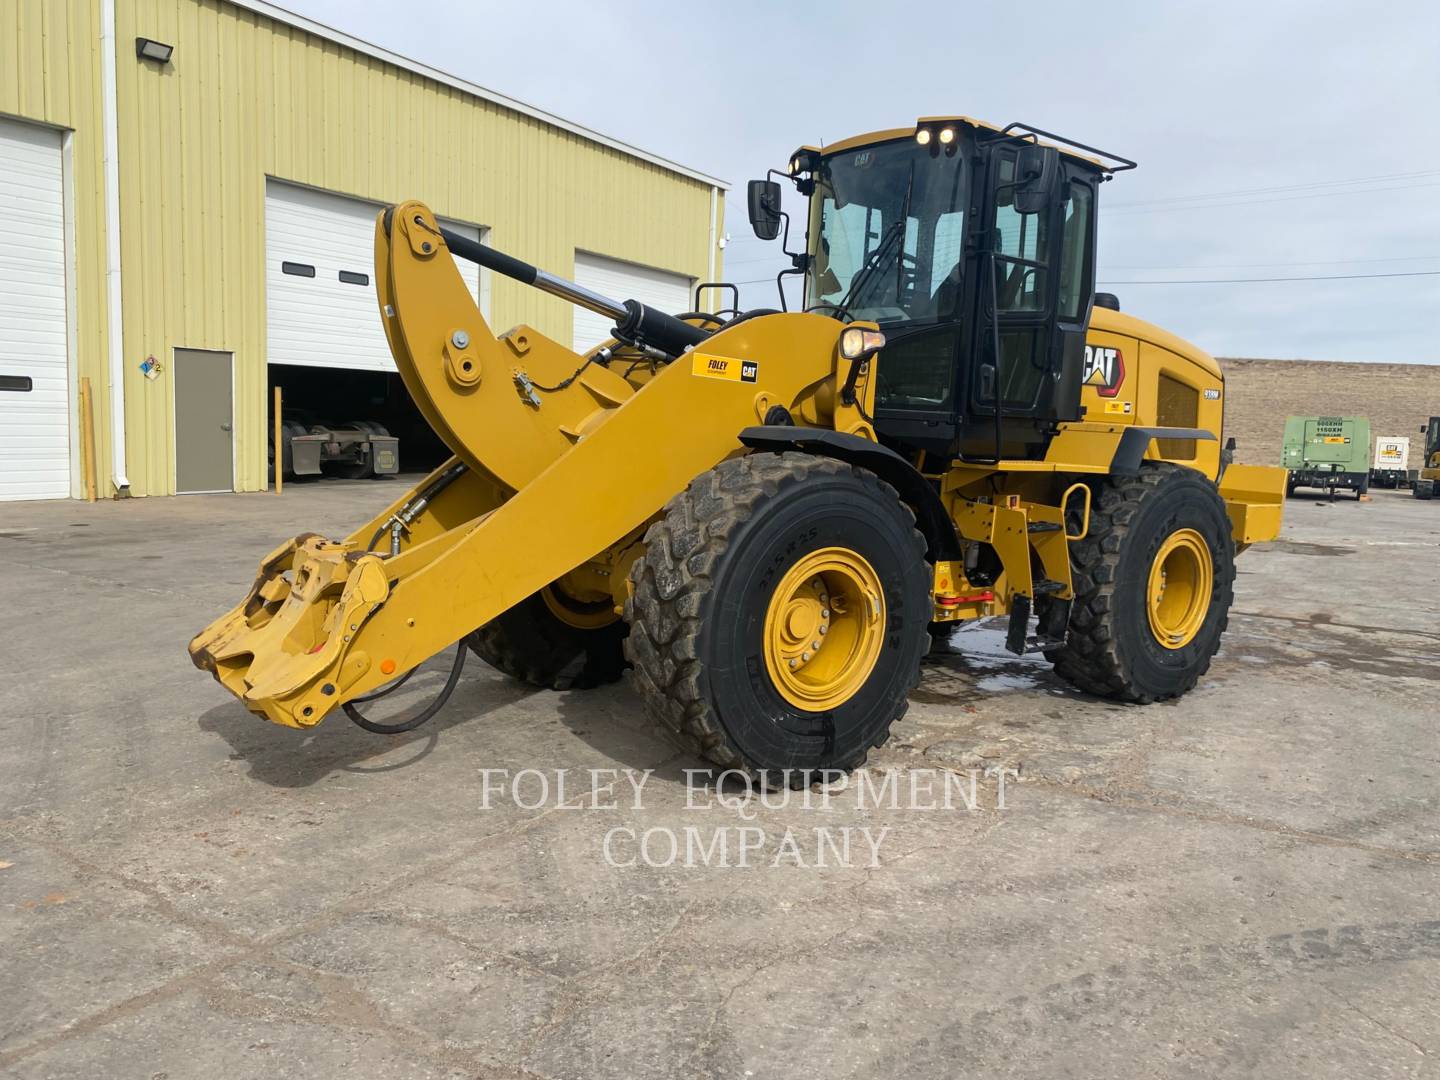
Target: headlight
{"points": [[947, 136], [857, 342], [923, 136]]}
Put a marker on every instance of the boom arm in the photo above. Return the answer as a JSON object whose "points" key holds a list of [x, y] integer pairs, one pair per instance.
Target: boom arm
{"points": [[545, 487]]}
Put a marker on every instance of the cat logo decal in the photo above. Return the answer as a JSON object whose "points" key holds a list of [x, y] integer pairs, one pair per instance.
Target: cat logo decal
{"points": [[1104, 370]]}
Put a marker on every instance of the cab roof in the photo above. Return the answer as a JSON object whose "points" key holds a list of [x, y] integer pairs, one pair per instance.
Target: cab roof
{"points": [[1019, 132]]}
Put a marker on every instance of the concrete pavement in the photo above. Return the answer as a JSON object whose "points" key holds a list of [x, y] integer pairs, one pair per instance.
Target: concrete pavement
{"points": [[1243, 882]]}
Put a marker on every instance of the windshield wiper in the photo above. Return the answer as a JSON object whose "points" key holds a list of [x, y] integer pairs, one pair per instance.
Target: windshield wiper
{"points": [[871, 269], [874, 264]]}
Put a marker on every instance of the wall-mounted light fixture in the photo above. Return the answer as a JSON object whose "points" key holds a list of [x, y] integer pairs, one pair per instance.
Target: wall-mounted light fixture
{"points": [[148, 49]]}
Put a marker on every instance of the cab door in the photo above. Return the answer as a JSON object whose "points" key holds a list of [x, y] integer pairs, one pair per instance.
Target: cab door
{"points": [[1035, 279]]}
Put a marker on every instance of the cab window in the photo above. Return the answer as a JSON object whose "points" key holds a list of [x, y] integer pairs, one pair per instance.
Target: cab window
{"points": [[1074, 291]]}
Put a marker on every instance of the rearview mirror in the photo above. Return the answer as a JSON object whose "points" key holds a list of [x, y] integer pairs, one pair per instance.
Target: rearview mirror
{"points": [[764, 203], [1039, 176]]}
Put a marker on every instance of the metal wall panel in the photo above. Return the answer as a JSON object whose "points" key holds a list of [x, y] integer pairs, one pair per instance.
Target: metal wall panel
{"points": [[246, 98]]}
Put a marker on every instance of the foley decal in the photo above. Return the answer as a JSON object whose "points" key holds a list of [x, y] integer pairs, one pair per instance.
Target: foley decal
{"points": [[1104, 370], [724, 367]]}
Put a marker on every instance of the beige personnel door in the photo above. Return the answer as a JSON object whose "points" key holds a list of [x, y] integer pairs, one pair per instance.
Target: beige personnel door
{"points": [[204, 422]]}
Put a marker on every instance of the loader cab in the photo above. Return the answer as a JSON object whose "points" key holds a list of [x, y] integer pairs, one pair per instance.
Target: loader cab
{"points": [[974, 251], [1431, 434]]}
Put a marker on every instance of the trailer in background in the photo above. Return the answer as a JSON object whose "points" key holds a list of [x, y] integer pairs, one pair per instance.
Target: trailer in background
{"points": [[1327, 452], [1388, 468], [354, 450]]}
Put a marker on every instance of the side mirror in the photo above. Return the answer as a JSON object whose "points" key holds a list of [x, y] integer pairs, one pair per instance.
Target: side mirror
{"points": [[1039, 177], [763, 197]]}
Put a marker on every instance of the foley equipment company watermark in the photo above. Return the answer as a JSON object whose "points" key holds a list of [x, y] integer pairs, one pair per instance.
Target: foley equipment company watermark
{"points": [[749, 832]]}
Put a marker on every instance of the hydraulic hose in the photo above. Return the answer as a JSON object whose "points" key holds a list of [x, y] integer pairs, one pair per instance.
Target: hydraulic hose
{"points": [[411, 510], [425, 714]]}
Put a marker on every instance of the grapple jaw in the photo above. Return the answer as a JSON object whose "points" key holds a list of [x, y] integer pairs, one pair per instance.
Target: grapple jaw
{"points": [[285, 649]]}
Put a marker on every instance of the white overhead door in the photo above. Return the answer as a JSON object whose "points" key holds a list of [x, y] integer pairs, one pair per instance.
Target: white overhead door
{"points": [[661, 289], [320, 279], [34, 373]]}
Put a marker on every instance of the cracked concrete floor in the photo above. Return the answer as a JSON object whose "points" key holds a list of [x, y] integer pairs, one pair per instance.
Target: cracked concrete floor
{"points": [[1240, 883]]}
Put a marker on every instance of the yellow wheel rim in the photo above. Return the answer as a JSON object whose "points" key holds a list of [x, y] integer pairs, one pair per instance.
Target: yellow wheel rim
{"points": [[1182, 578], [581, 614], [824, 629]]}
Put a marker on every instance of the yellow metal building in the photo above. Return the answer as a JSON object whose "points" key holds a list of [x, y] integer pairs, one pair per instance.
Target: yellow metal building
{"points": [[185, 157]]}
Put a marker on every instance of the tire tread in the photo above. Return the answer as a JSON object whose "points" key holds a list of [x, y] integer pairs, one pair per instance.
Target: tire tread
{"points": [[672, 592], [1090, 659]]}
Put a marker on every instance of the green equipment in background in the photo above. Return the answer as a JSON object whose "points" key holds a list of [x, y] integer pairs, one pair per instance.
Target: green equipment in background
{"points": [[1327, 452]]}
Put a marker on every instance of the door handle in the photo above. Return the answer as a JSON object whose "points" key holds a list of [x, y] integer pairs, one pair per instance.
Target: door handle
{"points": [[987, 382], [224, 427]]}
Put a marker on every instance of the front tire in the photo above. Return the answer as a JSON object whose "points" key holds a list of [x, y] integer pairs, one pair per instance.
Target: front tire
{"points": [[778, 615], [1154, 581]]}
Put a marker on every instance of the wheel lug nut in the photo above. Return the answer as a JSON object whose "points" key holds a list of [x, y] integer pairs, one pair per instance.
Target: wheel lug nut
{"points": [[815, 644], [824, 613], [793, 662], [823, 630], [805, 656]]}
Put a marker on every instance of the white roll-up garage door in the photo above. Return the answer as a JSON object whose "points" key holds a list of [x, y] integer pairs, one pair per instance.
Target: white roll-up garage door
{"points": [[34, 371], [319, 279], [662, 289]]}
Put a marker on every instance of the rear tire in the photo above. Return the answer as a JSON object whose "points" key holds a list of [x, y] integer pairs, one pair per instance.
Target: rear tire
{"points": [[1114, 646], [352, 470], [531, 643], [725, 588]]}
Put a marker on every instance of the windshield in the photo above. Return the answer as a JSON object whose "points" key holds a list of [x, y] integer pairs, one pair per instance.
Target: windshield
{"points": [[889, 226]]}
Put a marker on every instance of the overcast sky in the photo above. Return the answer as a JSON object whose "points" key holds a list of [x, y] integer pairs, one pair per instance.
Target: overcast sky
{"points": [[1325, 116]]}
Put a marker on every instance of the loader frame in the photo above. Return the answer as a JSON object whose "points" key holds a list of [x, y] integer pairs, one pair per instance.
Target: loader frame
{"points": [[562, 463]]}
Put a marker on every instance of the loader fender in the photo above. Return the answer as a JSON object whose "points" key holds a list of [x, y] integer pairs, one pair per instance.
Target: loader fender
{"points": [[939, 531], [1136, 440]]}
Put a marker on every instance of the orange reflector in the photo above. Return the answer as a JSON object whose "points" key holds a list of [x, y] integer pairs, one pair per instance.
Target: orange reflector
{"points": [[387, 667], [973, 598]]}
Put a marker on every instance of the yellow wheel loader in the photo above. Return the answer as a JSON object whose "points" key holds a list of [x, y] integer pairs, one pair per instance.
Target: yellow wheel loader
{"points": [[1427, 481], [766, 514]]}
